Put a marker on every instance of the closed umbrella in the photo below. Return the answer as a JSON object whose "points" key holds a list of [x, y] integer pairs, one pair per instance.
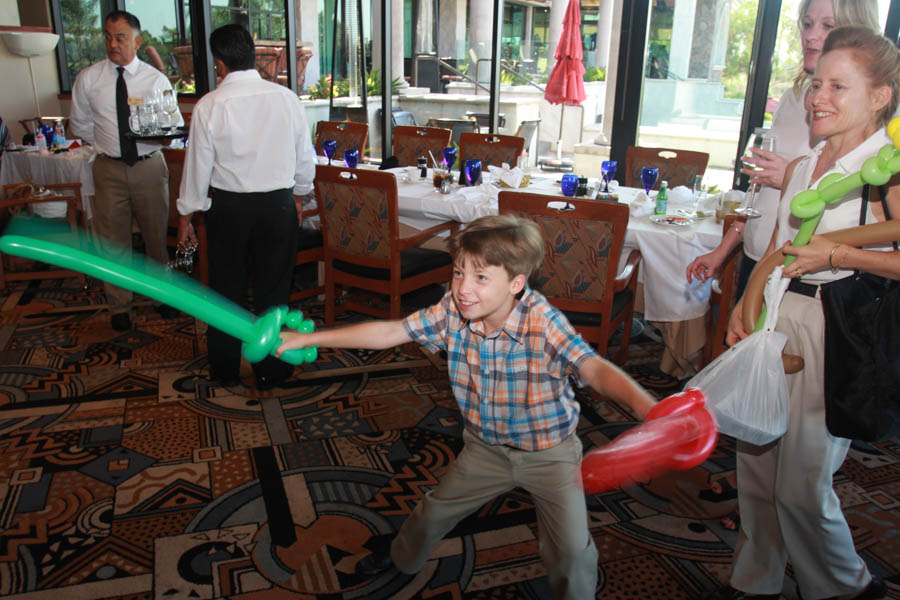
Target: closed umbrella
{"points": [[565, 85]]}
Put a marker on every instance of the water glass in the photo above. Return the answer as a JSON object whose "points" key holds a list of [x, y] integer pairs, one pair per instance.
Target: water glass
{"points": [[169, 105], [351, 157], [569, 184], [329, 147], [449, 156], [472, 171], [648, 178], [134, 120], [608, 170], [147, 118], [439, 174]]}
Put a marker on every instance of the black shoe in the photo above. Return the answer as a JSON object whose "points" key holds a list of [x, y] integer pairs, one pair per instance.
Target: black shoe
{"points": [[374, 564], [167, 312], [874, 591], [120, 322], [729, 593], [268, 382]]}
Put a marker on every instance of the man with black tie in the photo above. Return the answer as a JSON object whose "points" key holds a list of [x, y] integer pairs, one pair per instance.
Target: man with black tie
{"points": [[131, 180]]}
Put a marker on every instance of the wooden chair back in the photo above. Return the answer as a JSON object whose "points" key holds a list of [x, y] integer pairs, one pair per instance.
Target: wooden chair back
{"points": [[347, 134], [370, 257], [579, 275], [677, 167], [456, 126], [722, 300], [412, 142], [491, 149], [19, 199]]}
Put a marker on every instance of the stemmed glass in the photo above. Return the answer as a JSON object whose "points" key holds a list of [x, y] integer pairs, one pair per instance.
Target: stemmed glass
{"points": [[697, 188], [761, 139], [648, 178], [329, 147], [608, 170], [169, 105], [449, 157], [351, 157], [473, 171]]}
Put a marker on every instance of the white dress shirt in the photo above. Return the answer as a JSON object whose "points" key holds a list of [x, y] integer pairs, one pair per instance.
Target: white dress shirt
{"points": [[248, 135], [93, 117]]}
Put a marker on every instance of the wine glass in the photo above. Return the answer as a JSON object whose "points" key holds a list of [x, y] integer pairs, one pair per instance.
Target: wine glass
{"points": [[351, 157], [608, 170], [761, 139], [569, 184], [449, 156], [169, 105], [329, 147], [134, 120], [473, 171], [648, 178]]}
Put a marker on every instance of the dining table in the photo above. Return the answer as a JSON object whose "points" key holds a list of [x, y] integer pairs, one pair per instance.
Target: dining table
{"points": [[672, 305], [26, 164]]}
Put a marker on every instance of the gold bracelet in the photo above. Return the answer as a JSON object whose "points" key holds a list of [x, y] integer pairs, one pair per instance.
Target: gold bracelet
{"points": [[834, 269]]}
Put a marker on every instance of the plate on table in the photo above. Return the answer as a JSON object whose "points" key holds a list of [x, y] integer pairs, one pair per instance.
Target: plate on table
{"points": [[671, 220]]}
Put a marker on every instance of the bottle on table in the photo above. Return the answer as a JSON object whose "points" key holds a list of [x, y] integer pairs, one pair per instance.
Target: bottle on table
{"points": [[59, 135], [662, 199], [40, 141]]}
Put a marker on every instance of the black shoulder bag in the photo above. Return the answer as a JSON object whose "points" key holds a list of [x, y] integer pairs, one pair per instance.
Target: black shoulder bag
{"points": [[862, 351]]}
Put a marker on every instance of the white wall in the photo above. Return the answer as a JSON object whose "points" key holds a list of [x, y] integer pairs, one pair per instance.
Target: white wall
{"points": [[16, 97]]}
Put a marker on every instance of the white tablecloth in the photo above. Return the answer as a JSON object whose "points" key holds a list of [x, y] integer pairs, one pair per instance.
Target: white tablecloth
{"points": [[666, 249], [65, 167]]}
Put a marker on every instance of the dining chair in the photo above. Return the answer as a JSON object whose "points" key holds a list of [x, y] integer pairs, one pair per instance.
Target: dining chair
{"points": [[19, 199], [412, 142], [526, 131], [491, 149], [175, 163], [456, 126], [363, 248], [484, 120], [310, 249], [675, 166], [347, 135], [722, 300], [579, 275]]}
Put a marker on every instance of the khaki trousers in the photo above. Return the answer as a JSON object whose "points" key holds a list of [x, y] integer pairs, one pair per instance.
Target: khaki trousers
{"points": [[123, 194], [482, 472], [789, 510]]}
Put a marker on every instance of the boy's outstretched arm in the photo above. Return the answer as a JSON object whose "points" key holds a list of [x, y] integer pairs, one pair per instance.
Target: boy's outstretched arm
{"points": [[371, 335], [609, 380]]}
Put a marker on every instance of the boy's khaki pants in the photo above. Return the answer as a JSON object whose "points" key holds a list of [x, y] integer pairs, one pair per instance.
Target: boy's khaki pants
{"points": [[482, 472]]}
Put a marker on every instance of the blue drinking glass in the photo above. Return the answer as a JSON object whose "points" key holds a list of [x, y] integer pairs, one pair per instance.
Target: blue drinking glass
{"points": [[473, 171], [328, 147], [569, 184], [648, 178], [351, 157], [449, 156], [608, 170]]}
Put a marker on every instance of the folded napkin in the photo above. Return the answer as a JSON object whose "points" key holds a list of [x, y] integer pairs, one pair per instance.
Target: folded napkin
{"points": [[641, 206], [511, 177], [681, 196]]}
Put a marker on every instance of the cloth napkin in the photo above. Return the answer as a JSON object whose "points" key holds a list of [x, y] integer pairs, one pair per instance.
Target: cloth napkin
{"points": [[681, 196], [511, 177], [641, 206], [477, 194]]}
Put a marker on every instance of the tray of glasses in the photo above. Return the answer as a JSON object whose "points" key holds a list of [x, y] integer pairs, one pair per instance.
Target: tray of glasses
{"points": [[178, 132]]}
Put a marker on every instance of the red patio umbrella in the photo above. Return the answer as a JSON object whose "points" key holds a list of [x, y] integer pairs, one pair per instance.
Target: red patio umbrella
{"points": [[565, 85]]}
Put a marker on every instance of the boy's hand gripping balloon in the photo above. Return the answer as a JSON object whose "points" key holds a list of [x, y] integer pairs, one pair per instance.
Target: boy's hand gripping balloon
{"points": [[679, 433]]}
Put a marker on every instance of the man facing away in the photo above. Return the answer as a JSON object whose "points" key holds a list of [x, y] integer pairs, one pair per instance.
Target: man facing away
{"points": [[509, 355], [131, 180], [249, 140]]}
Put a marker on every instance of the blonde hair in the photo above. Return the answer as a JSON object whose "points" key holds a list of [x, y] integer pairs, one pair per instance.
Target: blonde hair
{"points": [[876, 55], [503, 241], [846, 12]]}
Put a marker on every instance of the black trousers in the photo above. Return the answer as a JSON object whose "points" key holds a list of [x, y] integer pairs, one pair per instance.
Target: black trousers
{"points": [[255, 235]]}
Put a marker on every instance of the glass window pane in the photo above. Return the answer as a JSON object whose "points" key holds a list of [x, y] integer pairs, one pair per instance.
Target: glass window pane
{"points": [[166, 40], [82, 34], [695, 78]]}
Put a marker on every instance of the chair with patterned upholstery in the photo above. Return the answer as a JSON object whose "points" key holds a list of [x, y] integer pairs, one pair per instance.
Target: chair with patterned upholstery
{"points": [[412, 142], [722, 299], [372, 258], [675, 166], [491, 149], [347, 135], [20, 199], [579, 274], [310, 249]]}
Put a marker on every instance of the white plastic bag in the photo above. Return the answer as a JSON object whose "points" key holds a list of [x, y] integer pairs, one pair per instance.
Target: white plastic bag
{"points": [[745, 386]]}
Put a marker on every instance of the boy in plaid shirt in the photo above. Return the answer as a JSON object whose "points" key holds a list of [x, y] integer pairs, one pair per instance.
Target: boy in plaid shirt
{"points": [[509, 355]]}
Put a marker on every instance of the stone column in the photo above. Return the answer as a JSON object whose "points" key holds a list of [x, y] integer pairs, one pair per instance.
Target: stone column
{"points": [[308, 31], [452, 29], [424, 28], [397, 71], [682, 38], [604, 28], [481, 18], [557, 12]]}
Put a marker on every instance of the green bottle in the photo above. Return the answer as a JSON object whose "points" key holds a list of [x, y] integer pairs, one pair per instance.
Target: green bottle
{"points": [[662, 199]]}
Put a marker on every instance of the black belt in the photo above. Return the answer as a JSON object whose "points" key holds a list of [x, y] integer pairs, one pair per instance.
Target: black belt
{"points": [[120, 159], [807, 289]]}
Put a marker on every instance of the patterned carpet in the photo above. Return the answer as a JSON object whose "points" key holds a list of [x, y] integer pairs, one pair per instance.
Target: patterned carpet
{"points": [[124, 473]]}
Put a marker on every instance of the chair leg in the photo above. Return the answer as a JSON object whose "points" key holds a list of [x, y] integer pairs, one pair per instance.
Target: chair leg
{"points": [[330, 297], [622, 354]]}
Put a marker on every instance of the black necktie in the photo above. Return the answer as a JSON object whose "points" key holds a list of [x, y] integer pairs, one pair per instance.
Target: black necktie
{"points": [[127, 145]]}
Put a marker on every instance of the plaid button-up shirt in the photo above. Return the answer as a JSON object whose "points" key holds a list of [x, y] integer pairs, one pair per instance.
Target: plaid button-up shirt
{"points": [[512, 386]]}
